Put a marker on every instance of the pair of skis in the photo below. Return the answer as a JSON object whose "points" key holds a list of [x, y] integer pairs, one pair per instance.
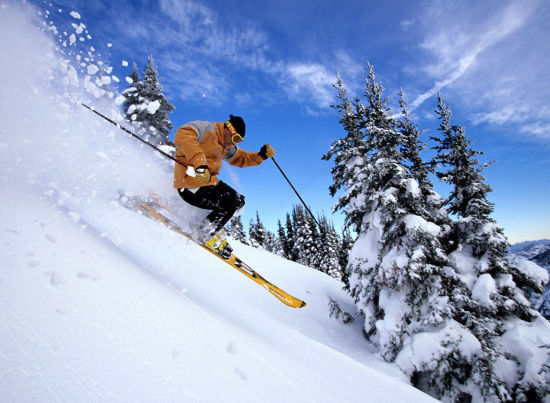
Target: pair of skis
{"points": [[151, 209], [233, 260]]}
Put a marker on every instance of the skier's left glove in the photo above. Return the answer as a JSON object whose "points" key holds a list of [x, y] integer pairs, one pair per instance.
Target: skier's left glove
{"points": [[266, 151], [202, 174]]}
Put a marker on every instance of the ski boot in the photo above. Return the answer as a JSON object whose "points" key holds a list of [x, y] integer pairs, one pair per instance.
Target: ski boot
{"points": [[218, 244]]}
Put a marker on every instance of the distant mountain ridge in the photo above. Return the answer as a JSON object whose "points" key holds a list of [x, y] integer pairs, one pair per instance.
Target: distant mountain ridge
{"points": [[543, 259], [517, 247], [539, 253]]}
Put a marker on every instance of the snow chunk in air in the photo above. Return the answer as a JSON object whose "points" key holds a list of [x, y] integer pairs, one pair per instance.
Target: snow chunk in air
{"points": [[120, 100], [153, 107], [92, 69]]}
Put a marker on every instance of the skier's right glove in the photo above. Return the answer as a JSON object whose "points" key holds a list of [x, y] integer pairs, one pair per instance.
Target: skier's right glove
{"points": [[202, 174]]}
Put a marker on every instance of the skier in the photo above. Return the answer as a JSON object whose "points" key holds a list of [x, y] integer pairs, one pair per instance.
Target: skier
{"points": [[201, 147]]}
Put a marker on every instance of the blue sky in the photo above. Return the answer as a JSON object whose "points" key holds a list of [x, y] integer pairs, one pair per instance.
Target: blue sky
{"points": [[274, 62]]}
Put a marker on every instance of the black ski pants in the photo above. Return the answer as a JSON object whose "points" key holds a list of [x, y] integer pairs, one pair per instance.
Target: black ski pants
{"points": [[222, 199]]}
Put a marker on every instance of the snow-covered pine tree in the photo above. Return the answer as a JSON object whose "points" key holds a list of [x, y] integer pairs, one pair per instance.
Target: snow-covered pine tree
{"points": [[305, 237], [399, 274], [419, 170], [273, 244], [346, 244], [349, 155], [411, 147], [236, 229], [497, 309], [291, 251], [147, 106], [329, 246], [155, 105], [283, 240], [257, 233], [131, 95]]}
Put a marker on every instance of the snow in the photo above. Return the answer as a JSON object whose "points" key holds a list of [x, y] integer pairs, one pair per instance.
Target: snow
{"points": [[533, 270], [100, 303], [190, 171], [463, 263], [520, 341], [484, 287], [417, 223], [119, 100], [368, 245], [426, 346], [92, 69], [412, 187], [152, 107]]}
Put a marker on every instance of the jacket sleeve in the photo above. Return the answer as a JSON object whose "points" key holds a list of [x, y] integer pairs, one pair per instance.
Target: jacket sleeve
{"points": [[187, 144], [243, 159]]}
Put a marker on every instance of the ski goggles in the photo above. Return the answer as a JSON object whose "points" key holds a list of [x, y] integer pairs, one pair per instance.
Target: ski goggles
{"points": [[236, 138]]}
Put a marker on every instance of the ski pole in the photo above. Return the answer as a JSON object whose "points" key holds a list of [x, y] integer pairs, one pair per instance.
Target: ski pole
{"points": [[295, 191], [132, 134]]}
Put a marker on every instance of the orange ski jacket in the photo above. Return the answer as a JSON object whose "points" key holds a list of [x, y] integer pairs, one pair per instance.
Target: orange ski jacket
{"points": [[202, 143]]}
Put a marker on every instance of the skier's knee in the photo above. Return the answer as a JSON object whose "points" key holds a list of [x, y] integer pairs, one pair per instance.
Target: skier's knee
{"points": [[240, 202]]}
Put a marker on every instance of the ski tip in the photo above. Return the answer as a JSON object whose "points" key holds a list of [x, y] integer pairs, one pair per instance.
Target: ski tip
{"points": [[298, 304]]}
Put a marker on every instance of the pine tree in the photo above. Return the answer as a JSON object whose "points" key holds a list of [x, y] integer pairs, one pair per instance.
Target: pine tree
{"points": [[157, 107], [291, 250], [305, 237], [496, 302], [273, 244], [412, 147], [131, 95], [147, 106], [284, 241], [236, 230], [329, 246], [346, 244], [257, 233], [400, 276], [349, 156], [418, 169]]}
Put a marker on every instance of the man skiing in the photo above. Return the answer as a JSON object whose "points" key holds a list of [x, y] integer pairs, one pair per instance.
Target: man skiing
{"points": [[201, 147]]}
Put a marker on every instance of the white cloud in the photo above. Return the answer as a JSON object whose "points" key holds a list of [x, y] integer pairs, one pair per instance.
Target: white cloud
{"points": [[457, 45], [202, 54], [495, 57], [310, 81], [541, 130]]}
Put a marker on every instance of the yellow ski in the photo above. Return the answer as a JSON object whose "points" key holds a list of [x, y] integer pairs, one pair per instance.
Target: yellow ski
{"points": [[233, 260]]}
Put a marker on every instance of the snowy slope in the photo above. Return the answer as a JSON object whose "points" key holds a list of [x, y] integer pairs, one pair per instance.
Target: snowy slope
{"points": [[100, 303], [86, 320]]}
